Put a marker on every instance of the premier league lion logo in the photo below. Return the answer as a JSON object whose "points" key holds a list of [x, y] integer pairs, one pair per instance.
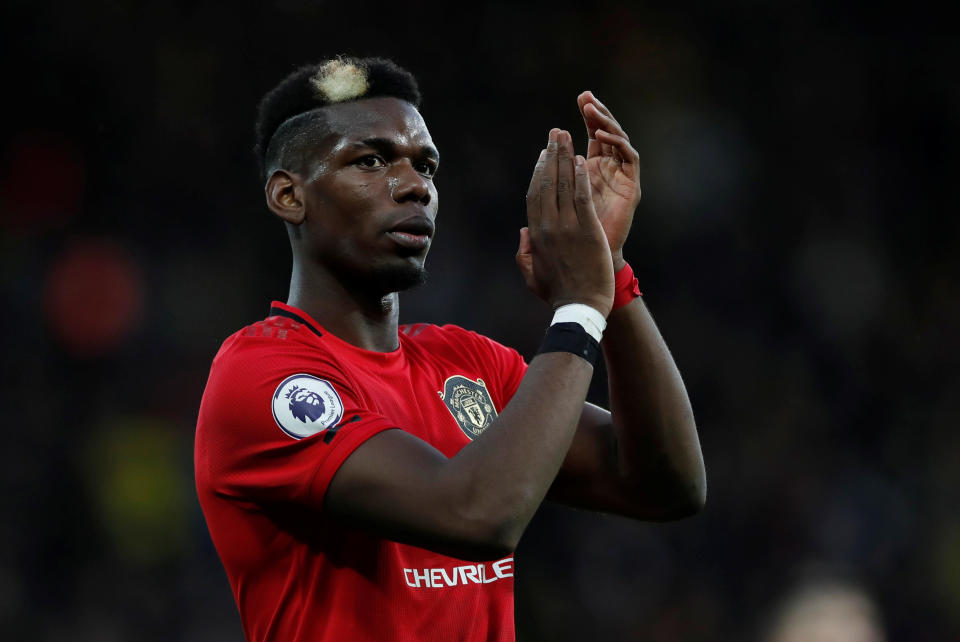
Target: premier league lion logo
{"points": [[305, 403]]}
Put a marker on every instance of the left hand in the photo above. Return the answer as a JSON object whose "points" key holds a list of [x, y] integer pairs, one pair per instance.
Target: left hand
{"points": [[614, 167]]}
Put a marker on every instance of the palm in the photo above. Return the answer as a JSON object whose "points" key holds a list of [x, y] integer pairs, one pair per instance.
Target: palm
{"points": [[615, 197]]}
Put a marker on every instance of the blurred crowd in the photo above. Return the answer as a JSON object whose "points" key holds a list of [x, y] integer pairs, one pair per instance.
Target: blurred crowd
{"points": [[795, 243]]}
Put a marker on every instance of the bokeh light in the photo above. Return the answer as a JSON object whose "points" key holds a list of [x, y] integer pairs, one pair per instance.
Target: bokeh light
{"points": [[136, 481], [93, 296]]}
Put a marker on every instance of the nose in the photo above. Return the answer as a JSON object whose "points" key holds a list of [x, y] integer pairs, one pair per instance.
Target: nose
{"points": [[407, 184]]}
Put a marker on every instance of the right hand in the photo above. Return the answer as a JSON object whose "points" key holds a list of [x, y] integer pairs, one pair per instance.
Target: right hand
{"points": [[564, 255]]}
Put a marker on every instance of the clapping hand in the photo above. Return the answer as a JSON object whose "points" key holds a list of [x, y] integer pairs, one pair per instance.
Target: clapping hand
{"points": [[564, 254], [614, 168]]}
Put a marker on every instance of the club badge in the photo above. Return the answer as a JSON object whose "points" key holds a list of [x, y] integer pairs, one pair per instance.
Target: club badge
{"points": [[303, 405], [469, 403]]}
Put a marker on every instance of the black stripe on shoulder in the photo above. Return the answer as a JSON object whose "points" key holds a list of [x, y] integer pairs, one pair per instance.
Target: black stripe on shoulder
{"points": [[332, 432], [280, 312]]}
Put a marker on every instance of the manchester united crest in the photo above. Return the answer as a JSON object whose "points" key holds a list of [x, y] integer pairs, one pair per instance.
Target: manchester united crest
{"points": [[469, 403]]}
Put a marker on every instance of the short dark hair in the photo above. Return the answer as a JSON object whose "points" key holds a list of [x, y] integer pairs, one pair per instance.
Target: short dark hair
{"points": [[291, 111]]}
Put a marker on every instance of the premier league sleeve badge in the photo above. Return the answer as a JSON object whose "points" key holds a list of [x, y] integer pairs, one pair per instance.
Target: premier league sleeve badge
{"points": [[470, 404], [304, 405]]}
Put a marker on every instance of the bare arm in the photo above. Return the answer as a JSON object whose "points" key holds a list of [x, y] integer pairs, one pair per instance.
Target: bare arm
{"points": [[643, 460], [477, 504]]}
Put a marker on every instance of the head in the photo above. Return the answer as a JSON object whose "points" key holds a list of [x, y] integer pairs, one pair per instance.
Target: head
{"points": [[348, 165]]}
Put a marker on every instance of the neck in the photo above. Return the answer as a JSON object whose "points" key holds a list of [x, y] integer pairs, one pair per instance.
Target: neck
{"points": [[364, 319]]}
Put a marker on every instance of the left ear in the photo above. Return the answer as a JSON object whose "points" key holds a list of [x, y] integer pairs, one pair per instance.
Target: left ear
{"points": [[285, 196]]}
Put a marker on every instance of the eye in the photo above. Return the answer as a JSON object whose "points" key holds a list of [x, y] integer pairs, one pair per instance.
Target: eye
{"points": [[370, 161], [427, 167]]}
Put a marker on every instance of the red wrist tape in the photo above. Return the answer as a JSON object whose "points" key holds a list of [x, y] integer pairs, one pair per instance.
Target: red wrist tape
{"points": [[626, 288]]}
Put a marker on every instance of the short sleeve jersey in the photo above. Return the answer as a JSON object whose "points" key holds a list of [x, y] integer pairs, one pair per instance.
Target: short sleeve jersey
{"points": [[285, 404]]}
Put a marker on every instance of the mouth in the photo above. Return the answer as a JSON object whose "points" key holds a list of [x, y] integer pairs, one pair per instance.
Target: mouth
{"points": [[413, 233]]}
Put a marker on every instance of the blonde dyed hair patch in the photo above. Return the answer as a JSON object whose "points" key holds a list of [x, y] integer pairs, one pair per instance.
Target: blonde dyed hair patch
{"points": [[339, 80]]}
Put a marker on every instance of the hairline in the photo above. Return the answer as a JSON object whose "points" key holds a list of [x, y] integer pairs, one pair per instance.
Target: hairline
{"points": [[309, 122]]}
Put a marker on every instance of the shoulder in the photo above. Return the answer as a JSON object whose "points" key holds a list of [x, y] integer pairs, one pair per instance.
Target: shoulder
{"points": [[257, 361], [274, 333], [429, 333], [454, 342], [273, 341], [272, 382], [430, 336]]}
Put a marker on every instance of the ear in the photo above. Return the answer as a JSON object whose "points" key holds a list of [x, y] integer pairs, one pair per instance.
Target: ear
{"points": [[284, 196]]}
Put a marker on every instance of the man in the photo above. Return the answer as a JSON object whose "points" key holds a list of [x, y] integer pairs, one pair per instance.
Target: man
{"points": [[364, 481]]}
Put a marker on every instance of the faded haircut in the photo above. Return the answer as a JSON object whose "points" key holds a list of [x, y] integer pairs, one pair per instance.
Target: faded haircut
{"points": [[290, 118]]}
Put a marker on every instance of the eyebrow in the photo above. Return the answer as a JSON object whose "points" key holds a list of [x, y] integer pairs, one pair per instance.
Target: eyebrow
{"points": [[387, 146]]}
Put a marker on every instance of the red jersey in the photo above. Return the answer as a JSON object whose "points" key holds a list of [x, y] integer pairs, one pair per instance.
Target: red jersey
{"points": [[285, 404]]}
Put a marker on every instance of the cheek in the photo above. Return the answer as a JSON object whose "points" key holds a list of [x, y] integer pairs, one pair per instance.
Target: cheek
{"points": [[357, 191], [353, 200]]}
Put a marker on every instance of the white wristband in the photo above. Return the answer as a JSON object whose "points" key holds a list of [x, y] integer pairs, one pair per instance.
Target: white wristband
{"points": [[589, 318]]}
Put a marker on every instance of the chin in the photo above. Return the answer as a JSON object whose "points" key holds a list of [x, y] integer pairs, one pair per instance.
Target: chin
{"points": [[397, 278]]}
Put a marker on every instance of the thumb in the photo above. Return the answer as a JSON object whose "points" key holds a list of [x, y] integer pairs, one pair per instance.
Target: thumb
{"points": [[524, 242], [525, 257]]}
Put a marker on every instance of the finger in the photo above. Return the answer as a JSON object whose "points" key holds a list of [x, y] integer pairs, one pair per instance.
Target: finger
{"points": [[583, 99], [593, 145], [596, 122], [548, 182], [599, 120], [606, 150], [565, 180], [598, 116], [609, 149], [525, 259], [583, 196], [600, 107], [533, 191], [623, 151], [525, 248]]}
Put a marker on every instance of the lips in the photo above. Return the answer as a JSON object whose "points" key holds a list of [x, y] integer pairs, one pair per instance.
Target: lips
{"points": [[412, 233], [415, 226]]}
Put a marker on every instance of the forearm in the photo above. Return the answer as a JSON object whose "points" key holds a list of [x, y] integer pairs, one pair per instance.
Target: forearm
{"points": [[657, 445], [508, 470]]}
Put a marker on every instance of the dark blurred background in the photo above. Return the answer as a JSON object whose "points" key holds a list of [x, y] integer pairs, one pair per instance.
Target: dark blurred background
{"points": [[796, 243]]}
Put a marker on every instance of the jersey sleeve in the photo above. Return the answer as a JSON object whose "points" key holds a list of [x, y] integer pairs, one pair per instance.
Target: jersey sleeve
{"points": [[275, 428], [506, 364]]}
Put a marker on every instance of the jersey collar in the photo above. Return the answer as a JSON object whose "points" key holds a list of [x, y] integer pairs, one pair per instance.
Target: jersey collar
{"points": [[278, 309]]}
